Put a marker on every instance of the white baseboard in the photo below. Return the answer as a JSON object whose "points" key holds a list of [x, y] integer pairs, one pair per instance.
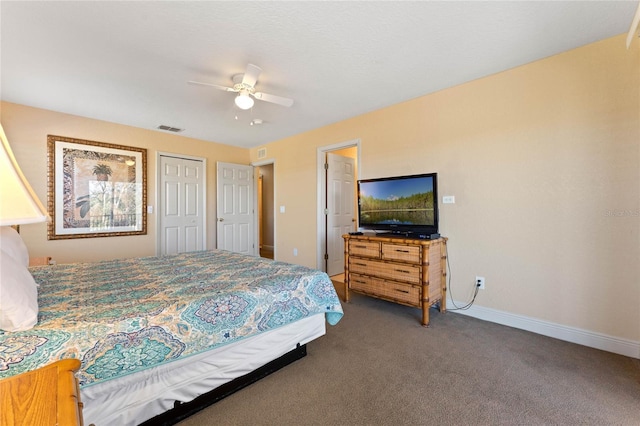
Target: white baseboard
{"points": [[588, 338]]}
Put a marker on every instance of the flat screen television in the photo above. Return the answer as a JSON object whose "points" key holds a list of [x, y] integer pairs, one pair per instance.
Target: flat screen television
{"points": [[402, 205]]}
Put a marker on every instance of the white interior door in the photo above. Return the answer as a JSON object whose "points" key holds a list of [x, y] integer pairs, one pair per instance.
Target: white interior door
{"points": [[181, 205], [235, 208], [341, 218]]}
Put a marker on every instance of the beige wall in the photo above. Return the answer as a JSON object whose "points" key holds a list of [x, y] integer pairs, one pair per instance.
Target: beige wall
{"points": [[27, 129], [544, 163], [543, 160]]}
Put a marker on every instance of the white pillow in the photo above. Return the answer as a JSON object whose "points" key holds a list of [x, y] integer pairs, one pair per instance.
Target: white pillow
{"points": [[18, 296], [11, 244]]}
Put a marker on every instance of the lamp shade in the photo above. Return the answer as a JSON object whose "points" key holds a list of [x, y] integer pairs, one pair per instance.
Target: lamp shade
{"points": [[633, 30], [18, 203], [243, 100]]}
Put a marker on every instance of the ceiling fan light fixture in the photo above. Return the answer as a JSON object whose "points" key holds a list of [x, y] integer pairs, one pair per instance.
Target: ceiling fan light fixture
{"points": [[243, 100]]}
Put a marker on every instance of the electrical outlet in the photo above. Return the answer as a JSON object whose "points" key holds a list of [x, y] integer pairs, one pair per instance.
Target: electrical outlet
{"points": [[480, 282], [295, 251]]}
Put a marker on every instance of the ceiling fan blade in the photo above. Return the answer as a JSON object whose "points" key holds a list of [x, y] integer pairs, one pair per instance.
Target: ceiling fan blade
{"points": [[251, 75], [199, 83], [273, 99]]}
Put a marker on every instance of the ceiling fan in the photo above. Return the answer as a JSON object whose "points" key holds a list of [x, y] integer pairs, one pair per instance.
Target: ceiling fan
{"points": [[244, 86]]}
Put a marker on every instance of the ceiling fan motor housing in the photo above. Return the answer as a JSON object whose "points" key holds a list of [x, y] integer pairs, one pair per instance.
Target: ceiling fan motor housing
{"points": [[239, 86]]}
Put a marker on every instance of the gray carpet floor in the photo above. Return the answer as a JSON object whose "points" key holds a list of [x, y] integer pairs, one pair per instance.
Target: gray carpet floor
{"points": [[379, 366]]}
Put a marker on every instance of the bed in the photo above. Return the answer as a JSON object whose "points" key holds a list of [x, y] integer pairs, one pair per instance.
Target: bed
{"points": [[154, 331]]}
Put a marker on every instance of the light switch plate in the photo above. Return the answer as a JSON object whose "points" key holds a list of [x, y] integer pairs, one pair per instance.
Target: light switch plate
{"points": [[449, 199]]}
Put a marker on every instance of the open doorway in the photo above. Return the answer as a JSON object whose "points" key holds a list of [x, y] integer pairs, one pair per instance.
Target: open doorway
{"points": [[266, 210], [337, 203]]}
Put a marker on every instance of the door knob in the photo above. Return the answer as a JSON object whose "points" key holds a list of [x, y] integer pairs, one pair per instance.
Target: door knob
{"points": [[220, 219]]}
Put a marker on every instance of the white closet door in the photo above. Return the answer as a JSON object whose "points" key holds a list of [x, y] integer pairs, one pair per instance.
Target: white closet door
{"points": [[236, 213], [181, 205]]}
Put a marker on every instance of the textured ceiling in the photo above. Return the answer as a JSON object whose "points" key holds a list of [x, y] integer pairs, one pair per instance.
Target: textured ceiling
{"points": [[129, 62]]}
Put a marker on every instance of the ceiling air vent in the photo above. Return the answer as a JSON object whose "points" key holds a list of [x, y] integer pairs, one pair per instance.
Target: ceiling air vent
{"points": [[170, 129], [262, 153]]}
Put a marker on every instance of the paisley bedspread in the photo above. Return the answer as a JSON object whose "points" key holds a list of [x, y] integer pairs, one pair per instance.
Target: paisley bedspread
{"points": [[122, 316]]}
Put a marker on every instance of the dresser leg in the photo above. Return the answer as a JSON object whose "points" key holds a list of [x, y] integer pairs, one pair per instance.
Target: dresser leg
{"points": [[425, 313]]}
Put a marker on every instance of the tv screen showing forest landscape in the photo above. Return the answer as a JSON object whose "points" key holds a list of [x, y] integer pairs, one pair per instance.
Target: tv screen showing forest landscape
{"points": [[403, 203]]}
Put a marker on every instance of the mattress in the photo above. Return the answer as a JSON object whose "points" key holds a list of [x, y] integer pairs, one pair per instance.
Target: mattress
{"points": [[134, 322], [123, 316], [135, 398]]}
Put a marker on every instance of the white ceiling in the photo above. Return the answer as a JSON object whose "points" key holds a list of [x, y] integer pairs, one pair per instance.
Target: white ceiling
{"points": [[129, 62]]}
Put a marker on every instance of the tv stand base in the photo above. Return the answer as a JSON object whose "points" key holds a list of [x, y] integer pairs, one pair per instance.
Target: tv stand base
{"points": [[408, 271]]}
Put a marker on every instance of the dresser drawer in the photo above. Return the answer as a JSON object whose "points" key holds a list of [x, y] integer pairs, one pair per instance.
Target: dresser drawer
{"points": [[400, 252], [401, 270], [400, 292], [364, 248], [392, 271]]}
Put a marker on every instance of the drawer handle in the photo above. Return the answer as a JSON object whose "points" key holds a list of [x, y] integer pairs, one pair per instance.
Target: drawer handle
{"points": [[359, 281], [360, 264], [402, 251], [362, 247], [402, 291], [404, 271]]}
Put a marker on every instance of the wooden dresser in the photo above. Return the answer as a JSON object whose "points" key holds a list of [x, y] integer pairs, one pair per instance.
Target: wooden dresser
{"points": [[46, 396], [402, 270]]}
